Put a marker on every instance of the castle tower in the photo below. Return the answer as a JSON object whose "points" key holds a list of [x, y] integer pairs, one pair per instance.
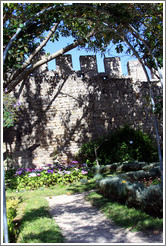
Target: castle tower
{"points": [[113, 67], [88, 65], [136, 71], [64, 64]]}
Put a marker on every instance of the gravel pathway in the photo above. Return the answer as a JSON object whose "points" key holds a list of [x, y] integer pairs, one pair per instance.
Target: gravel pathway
{"points": [[82, 223]]}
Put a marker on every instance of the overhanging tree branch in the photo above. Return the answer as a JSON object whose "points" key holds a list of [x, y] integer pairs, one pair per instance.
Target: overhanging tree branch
{"points": [[137, 35], [25, 24], [11, 84], [28, 61]]}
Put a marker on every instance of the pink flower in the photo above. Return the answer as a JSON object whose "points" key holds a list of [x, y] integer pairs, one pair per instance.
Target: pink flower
{"points": [[84, 172]]}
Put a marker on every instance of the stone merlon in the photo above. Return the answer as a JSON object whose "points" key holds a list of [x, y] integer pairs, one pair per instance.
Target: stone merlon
{"points": [[112, 65]]}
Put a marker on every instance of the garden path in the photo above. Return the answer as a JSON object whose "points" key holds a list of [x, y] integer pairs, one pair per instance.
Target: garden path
{"points": [[82, 223]]}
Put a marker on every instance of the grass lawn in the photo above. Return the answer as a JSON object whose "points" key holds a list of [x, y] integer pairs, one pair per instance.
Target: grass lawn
{"points": [[124, 216], [33, 220], [36, 225]]}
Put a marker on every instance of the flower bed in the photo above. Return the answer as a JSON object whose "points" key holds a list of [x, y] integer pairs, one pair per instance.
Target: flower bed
{"points": [[147, 181], [48, 175]]}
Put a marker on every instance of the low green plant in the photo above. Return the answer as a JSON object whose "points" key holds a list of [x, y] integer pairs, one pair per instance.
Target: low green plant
{"points": [[124, 144], [35, 222], [11, 207], [30, 179]]}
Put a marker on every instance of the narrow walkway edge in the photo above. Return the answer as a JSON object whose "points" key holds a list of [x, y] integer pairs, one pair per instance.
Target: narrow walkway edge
{"points": [[82, 223]]}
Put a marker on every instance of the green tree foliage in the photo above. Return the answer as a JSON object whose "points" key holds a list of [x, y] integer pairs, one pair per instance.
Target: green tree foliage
{"points": [[11, 107], [92, 26], [124, 144]]}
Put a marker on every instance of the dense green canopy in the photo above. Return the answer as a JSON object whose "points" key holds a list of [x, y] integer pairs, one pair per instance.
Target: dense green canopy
{"points": [[137, 25]]}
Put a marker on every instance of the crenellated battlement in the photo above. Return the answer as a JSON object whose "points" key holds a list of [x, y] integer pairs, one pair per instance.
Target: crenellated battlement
{"points": [[88, 67]]}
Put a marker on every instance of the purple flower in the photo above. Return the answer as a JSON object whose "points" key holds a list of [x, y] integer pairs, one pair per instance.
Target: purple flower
{"points": [[28, 170], [48, 165], [19, 172], [50, 171], [18, 103], [74, 162], [84, 165], [38, 170]]}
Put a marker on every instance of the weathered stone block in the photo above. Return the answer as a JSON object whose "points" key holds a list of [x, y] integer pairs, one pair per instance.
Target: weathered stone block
{"points": [[113, 67]]}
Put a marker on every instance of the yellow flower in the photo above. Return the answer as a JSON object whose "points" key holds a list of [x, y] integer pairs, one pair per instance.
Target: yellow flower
{"points": [[123, 181]]}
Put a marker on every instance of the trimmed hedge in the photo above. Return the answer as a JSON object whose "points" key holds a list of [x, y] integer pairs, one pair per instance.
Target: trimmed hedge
{"points": [[128, 166], [140, 174], [148, 199]]}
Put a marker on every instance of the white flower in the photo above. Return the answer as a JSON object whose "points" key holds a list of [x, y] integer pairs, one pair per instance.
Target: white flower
{"points": [[32, 175], [45, 168], [131, 142]]}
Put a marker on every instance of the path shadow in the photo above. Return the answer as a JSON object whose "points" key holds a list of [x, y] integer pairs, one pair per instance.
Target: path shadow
{"points": [[46, 235]]}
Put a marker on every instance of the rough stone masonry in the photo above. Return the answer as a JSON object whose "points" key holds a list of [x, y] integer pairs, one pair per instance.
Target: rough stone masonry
{"points": [[64, 108]]}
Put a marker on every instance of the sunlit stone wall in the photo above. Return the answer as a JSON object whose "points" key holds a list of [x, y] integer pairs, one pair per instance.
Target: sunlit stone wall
{"points": [[64, 108]]}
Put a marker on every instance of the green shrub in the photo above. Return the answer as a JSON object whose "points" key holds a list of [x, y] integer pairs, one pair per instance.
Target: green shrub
{"points": [[97, 177], [109, 168], [134, 194], [113, 188], [141, 174], [11, 207], [150, 166], [131, 166], [124, 144], [152, 200]]}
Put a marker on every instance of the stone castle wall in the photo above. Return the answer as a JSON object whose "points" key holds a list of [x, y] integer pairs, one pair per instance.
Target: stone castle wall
{"points": [[64, 108]]}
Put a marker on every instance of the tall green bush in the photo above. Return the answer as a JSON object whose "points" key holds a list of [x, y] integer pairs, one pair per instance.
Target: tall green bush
{"points": [[124, 144]]}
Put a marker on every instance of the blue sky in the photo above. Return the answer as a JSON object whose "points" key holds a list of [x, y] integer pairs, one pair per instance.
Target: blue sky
{"points": [[53, 47]]}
